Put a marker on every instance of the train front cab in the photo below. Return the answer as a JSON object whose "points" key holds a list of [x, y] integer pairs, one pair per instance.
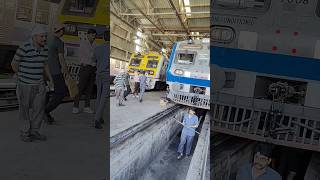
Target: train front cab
{"points": [[151, 63], [188, 74]]}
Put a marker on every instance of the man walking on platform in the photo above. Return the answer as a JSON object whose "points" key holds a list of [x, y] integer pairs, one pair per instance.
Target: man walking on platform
{"points": [[120, 87], [190, 123], [30, 64], [58, 70], [136, 84], [143, 84], [126, 81], [87, 72], [101, 57]]}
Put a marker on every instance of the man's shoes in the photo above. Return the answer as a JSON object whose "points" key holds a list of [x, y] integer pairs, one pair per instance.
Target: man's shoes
{"points": [[97, 125], [50, 119], [88, 110], [140, 100], [180, 156], [38, 136], [75, 110], [125, 99], [25, 137]]}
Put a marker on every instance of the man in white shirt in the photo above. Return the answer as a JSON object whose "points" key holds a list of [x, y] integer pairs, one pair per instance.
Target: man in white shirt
{"points": [[87, 71]]}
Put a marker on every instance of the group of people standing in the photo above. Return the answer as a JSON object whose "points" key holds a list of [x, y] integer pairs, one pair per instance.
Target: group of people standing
{"points": [[126, 84], [38, 61]]}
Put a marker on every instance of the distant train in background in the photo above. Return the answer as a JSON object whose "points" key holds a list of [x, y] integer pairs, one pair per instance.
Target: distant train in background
{"points": [[188, 73], [78, 17], [152, 63]]}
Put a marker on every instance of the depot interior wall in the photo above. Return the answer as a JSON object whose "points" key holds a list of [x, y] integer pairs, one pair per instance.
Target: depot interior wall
{"points": [[15, 27], [121, 39]]}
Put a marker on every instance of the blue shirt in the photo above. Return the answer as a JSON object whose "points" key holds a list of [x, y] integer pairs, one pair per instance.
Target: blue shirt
{"points": [[143, 80], [189, 121], [245, 173]]}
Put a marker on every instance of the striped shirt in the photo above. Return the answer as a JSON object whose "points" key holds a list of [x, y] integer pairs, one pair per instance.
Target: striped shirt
{"points": [[119, 81], [31, 63]]}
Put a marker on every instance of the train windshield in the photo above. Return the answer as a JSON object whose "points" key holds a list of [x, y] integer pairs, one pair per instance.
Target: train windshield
{"points": [[183, 58], [135, 62], [152, 64], [80, 7]]}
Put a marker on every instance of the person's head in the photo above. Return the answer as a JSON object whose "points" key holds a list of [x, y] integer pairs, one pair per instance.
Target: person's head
{"points": [[191, 111], [106, 36], [262, 156], [91, 35], [39, 35], [58, 29]]}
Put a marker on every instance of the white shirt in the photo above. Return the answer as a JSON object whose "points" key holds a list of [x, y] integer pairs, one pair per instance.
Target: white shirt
{"points": [[86, 52]]}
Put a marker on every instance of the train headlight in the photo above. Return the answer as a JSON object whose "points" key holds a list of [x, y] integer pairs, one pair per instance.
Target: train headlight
{"points": [[179, 72]]}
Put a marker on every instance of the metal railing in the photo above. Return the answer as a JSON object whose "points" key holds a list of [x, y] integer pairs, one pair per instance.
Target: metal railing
{"points": [[296, 126], [195, 100]]}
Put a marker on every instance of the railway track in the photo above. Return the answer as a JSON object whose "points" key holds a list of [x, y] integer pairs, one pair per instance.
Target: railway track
{"points": [[130, 132], [136, 149]]}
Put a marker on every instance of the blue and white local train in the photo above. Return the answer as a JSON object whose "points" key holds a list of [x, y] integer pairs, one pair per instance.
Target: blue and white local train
{"points": [[188, 73], [260, 43], [265, 64]]}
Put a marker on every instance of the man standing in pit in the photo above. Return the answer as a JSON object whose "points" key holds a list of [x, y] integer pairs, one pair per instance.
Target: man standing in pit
{"points": [[190, 123], [87, 72], [30, 65], [143, 84], [101, 56], [58, 70], [259, 169]]}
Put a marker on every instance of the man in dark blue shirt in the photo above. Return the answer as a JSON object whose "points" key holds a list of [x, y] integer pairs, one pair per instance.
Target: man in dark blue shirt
{"points": [[101, 57], [259, 169], [190, 123]]}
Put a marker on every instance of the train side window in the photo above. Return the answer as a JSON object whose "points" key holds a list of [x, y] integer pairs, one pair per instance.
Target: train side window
{"points": [[185, 58], [24, 10], [135, 62], [152, 64], [76, 7], [230, 79]]}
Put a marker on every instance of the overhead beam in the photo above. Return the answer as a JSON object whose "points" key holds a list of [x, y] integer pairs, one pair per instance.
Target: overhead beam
{"points": [[165, 13], [130, 25], [197, 29], [179, 17], [182, 35], [149, 19]]}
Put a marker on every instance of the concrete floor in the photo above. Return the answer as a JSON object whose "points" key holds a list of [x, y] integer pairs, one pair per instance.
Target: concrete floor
{"points": [[74, 150], [166, 166], [134, 112]]}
